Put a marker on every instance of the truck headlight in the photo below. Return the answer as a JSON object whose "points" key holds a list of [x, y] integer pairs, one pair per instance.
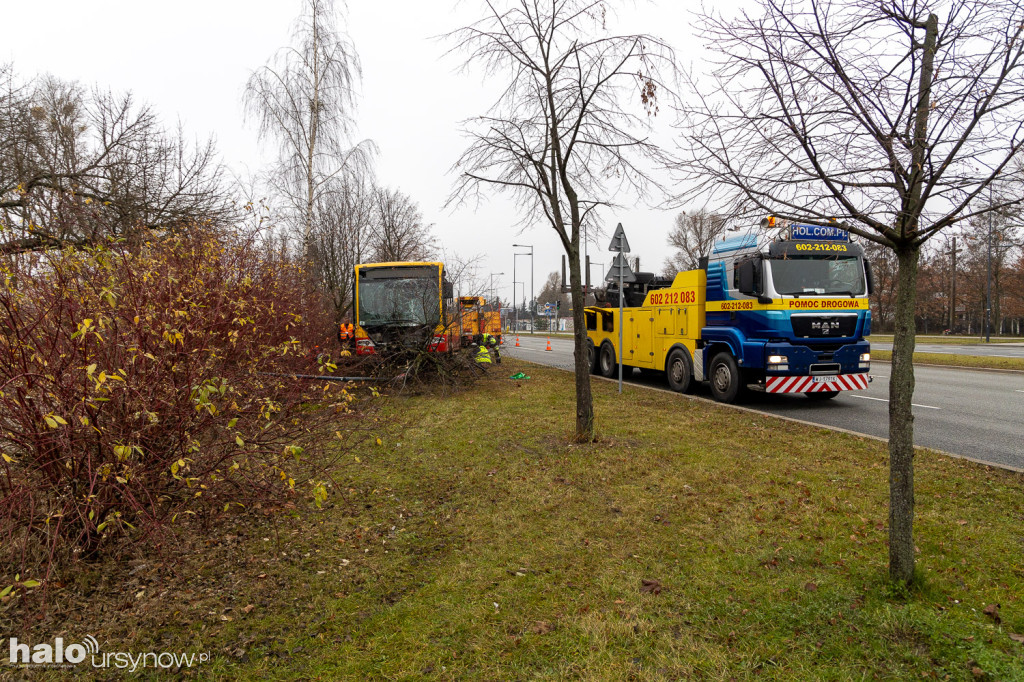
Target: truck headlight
{"points": [[865, 361], [779, 359]]}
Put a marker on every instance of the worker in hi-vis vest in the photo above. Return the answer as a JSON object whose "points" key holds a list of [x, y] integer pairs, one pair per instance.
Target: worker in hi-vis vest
{"points": [[482, 357], [346, 331], [491, 344]]}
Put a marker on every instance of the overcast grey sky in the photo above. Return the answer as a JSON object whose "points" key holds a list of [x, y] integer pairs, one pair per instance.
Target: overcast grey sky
{"points": [[190, 59]]}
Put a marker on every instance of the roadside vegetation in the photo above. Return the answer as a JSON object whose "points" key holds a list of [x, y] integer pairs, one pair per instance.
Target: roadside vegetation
{"points": [[475, 540], [955, 360], [147, 389], [951, 340]]}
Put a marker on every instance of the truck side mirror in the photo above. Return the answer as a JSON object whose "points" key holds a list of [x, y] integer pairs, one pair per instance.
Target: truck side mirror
{"points": [[747, 278], [870, 276]]}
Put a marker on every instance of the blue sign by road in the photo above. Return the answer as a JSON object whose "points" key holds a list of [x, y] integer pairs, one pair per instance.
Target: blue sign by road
{"points": [[818, 233]]}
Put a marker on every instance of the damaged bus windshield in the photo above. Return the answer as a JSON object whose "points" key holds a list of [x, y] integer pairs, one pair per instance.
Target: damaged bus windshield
{"points": [[399, 296]]}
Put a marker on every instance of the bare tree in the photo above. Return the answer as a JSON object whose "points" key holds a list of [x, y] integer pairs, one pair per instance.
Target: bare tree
{"points": [[304, 99], [340, 239], [882, 116], [81, 166], [560, 139], [692, 236], [551, 291], [464, 273], [884, 267], [397, 231], [992, 241]]}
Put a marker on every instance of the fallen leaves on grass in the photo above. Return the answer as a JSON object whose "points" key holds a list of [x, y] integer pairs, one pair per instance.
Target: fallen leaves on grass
{"points": [[1017, 638], [992, 611], [651, 586]]}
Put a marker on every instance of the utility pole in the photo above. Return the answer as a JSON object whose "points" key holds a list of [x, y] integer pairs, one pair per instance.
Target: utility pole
{"points": [[952, 296], [988, 284]]}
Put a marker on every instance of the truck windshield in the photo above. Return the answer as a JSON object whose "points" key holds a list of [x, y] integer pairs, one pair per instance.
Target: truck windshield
{"points": [[818, 275], [399, 301]]}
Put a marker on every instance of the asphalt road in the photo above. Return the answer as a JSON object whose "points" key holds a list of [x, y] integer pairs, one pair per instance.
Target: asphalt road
{"points": [[973, 413], [994, 350]]}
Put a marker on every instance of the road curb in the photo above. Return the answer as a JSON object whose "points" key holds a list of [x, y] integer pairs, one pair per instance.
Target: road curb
{"points": [[839, 429]]}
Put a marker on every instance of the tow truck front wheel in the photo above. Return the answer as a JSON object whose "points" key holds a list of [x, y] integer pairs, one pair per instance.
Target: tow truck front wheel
{"points": [[679, 370], [725, 378], [606, 363]]}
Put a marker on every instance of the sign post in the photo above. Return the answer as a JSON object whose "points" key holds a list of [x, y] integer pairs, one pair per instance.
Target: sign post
{"points": [[620, 270]]}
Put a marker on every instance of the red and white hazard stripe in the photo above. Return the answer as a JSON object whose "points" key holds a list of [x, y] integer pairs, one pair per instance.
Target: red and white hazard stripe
{"points": [[798, 384]]}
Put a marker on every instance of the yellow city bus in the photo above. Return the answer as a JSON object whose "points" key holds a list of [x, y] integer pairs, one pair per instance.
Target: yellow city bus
{"points": [[401, 306]]}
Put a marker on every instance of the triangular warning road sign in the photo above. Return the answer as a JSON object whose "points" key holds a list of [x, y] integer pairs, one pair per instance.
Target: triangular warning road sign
{"points": [[619, 242], [619, 264]]}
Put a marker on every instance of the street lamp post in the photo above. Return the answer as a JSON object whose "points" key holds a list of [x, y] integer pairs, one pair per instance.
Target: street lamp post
{"points": [[493, 275], [514, 256], [515, 306]]}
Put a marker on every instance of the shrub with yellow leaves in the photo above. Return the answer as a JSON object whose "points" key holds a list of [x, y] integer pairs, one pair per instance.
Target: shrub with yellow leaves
{"points": [[140, 384]]}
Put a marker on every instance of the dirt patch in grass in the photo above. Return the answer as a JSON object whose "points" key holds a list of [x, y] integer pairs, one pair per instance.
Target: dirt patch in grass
{"points": [[691, 541]]}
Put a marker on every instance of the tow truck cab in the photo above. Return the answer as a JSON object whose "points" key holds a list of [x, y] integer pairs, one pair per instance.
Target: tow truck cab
{"points": [[793, 312]]}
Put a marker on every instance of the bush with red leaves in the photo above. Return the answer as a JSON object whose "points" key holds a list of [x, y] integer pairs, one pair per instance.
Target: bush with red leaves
{"points": [[140, 384]]}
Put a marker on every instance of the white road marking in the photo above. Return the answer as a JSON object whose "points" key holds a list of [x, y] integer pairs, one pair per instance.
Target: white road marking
{"points": [[884, 400]]}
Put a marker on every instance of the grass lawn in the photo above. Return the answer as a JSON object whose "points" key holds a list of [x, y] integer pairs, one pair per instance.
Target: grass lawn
{"points": [[691, 542], [949, 340], [955, 360]]}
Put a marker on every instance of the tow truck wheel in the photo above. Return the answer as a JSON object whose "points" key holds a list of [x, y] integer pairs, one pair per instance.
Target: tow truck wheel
{"points": [[591, 357], [607, 364], [822, 395], [679, 370], [725, 378]]}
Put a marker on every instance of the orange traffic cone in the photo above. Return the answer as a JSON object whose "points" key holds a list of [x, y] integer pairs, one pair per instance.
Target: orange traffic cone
{"points": [[549, 344], [517, 342]]}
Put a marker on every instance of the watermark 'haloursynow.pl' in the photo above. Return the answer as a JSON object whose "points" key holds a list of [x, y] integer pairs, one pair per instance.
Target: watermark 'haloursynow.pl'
{"points": [[57, 655]]}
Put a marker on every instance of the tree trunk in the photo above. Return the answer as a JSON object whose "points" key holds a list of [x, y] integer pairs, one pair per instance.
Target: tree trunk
{"points": [[584, 399], [901, 421]]}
